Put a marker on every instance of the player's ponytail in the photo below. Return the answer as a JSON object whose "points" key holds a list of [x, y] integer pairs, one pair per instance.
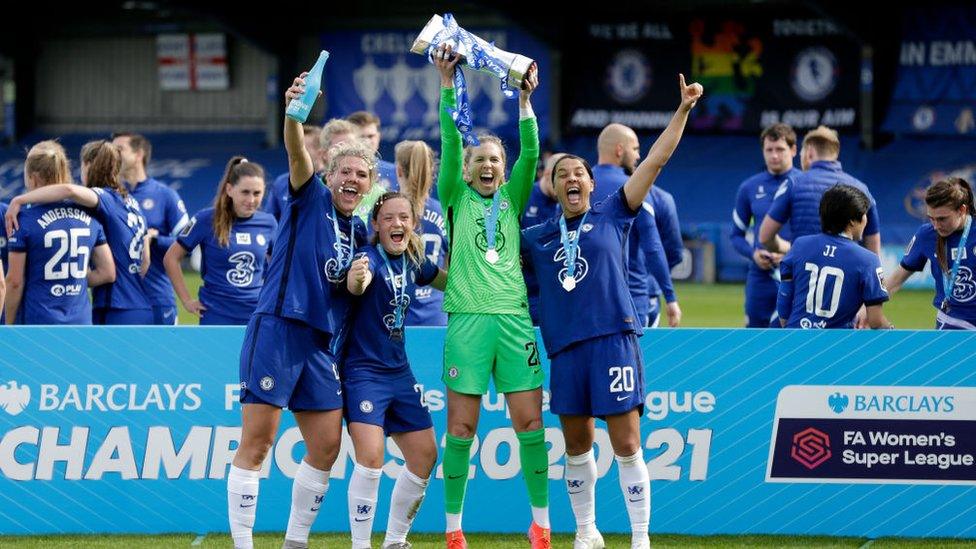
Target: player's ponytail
{"points": [[415, 160], [224, 214], [103, 163]]}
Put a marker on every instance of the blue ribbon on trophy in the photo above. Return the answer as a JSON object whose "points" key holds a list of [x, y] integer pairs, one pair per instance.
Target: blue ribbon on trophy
{"points": [[478, 54]]}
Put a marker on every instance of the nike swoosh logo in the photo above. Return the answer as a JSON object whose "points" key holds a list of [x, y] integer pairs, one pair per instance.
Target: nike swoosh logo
{"points": [[314, 509], [635, 500], [576, 492], [246, 506], [619, 399], [454, 477], [362, 520], [541, 471]]}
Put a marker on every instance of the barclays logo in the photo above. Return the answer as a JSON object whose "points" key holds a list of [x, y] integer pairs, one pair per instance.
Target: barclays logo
{"points": [[838, 402], [14, 398]]}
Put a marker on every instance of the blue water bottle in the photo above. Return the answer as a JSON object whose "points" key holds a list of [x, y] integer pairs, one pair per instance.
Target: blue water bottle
{"points": [[300, 107]]}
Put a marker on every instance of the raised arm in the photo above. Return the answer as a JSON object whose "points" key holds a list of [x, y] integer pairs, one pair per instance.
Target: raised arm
{"points": [[637, 187], [300, 167], [523, 171], [449, 180], [49, 194]]}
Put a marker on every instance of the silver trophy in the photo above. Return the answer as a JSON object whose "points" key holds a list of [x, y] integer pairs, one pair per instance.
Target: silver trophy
{"points": [[517, 66]]}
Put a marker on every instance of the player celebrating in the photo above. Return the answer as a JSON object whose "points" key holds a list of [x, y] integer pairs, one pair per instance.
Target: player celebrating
{"points": [[489, 331], [380, 390], [597, 368], [290, 345], [827, 277], [50, 252], [235, 238], [943, 241]]}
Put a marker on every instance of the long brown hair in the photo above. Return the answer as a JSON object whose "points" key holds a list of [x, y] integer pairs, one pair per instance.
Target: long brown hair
{"points": [[103, 161], [416, 160], [415, 246], [954, 192], [224, 215], [48, 161]]}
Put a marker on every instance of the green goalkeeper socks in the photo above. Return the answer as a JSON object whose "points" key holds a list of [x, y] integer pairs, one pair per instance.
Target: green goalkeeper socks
{"points": [[457, 458], [535, 466]]}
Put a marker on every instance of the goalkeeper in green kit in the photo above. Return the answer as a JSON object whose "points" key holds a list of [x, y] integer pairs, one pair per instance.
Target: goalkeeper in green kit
{"points": [[489, 331]]}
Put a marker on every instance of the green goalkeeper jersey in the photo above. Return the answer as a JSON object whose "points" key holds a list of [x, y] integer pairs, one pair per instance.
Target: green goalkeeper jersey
{"points": [[473, 284]]}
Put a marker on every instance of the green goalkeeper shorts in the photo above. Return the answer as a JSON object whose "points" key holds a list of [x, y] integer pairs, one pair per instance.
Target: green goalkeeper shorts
{"points": [[482, 346]]}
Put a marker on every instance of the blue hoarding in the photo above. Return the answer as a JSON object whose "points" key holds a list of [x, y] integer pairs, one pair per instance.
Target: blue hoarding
{"points": [[133, 429]]}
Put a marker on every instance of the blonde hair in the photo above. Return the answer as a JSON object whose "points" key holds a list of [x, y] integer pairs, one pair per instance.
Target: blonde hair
{"points": [[823, 140], [334, 127], [416, 160], [484, 138], [48, 161], [357, 149]]}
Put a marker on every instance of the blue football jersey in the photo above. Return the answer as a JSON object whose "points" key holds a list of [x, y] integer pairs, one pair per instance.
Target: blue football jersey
{"points": [[58, 240], [539, 208], [798, 199], [165, 212], [825, 280], [752, 201], [427, 308], [276, 201], [125, 228], [922, 248], [3, 234], [234, 274], [600, 304], [374, 312], [307, 271]]}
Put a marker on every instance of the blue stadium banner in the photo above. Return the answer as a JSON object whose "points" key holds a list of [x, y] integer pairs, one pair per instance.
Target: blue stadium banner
{"points": [[375, 71], [935, 91], [111, 430], [757, 69]]}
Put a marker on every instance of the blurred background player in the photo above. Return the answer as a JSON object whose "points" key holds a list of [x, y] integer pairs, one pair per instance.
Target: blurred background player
{"points": [[752, 201], [57, 251], [415, 174], [368, 130], [368, 125], [648, 273], [124, 301], [597, 368], [542, 205], [277, 194], [944, 242], [828, 277], [165, 215], [489, 330], [234, 238], [798, 200], [382, 395]]}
